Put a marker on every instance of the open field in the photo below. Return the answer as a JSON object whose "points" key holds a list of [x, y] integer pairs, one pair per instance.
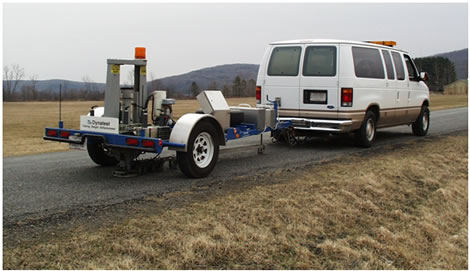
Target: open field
{"points": [[24, 122], [400, 208], [439, 102]]}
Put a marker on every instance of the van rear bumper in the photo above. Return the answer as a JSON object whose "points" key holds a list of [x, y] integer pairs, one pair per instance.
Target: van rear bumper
{"points": [[323, 125]]}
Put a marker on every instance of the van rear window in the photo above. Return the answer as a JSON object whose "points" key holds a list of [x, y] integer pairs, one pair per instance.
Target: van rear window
{"points": [[368, 63], [320, 61], [284, 61]]}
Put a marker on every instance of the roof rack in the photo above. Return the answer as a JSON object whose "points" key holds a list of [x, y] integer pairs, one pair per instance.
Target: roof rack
{"points": [[389, 43]]}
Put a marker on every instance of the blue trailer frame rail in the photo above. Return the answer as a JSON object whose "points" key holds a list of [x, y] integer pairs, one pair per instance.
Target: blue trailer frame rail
{"points": [[140, 143], [249, 129]]}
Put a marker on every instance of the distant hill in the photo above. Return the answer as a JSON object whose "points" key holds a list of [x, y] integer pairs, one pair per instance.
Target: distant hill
{"points": [[221, 75], [460, 60]]}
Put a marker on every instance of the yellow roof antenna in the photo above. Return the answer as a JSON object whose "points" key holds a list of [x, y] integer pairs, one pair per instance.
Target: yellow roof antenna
{"points": [[384, 42]]}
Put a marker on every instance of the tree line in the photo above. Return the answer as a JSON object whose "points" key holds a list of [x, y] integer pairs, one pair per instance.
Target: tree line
{"points": [[441, 71], [239, 88]]}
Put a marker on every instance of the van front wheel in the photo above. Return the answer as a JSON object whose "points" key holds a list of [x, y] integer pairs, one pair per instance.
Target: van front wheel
{"points": [[366, 134], [421, 126]]}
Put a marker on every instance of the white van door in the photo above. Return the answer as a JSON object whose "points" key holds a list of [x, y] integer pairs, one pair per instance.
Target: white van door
{"points": [[413, 90], [319, 79], [401, 88], [282, 76]]}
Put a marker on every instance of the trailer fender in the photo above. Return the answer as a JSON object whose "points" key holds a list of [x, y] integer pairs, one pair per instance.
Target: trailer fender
{"points": [[183, 127]]}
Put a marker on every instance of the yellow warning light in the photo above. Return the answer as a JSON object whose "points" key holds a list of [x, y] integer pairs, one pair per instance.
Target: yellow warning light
{"points": [[384, 42], [140, 52]]}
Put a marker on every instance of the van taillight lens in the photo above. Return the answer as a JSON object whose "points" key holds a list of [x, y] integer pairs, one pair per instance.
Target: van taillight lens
{"points": [[258, 94], [132, 141], [346, 97], [51, 133]]}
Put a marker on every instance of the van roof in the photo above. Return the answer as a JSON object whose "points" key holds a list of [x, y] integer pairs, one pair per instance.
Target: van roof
{"points": [[310, 41]]}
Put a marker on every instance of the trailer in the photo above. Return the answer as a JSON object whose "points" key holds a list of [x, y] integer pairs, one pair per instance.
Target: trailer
{"points": [[123, 130]]}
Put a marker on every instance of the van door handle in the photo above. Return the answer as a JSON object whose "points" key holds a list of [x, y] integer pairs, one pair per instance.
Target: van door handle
{"points": [[398, 96]]}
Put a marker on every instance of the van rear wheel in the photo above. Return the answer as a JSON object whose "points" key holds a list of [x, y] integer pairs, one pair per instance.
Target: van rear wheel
{"points": [[421, 126], [366, 134]]}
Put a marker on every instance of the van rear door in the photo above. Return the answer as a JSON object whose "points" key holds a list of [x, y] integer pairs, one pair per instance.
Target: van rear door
{"points": [[282, 77], [319, 81]]}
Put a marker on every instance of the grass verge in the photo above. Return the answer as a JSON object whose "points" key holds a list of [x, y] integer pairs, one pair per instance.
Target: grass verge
{"points": [[403, 208]]}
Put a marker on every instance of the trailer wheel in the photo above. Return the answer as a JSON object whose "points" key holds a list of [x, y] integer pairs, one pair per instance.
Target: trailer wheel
{"points": [[99, 154], [203, 151]]}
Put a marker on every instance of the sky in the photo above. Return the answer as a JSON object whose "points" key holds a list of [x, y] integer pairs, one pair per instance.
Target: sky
{"points": [[71, 41]]}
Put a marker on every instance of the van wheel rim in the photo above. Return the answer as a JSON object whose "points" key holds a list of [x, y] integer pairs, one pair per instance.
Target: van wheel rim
{"points": [[425, 121], [203, 150], [370, 131]]}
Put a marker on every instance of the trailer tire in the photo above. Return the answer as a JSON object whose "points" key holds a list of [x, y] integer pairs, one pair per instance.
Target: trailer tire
{"points": [[202, 152], [98, 154]]}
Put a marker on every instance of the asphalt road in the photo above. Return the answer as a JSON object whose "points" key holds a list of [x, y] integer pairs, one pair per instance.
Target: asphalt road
{"points": [[56, 182]]}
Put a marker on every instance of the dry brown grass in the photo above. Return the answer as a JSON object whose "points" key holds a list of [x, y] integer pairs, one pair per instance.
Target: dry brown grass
{"points": [[24, 122], [401, 209], [439, 102]]}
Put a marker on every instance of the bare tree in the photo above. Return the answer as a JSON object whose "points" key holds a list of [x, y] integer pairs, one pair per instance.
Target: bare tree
{"points": [[11, 77], [33, 79], [130, 77]]}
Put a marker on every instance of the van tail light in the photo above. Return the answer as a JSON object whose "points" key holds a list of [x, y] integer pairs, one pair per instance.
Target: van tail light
{"points": [[258, 94], [346, 97]]}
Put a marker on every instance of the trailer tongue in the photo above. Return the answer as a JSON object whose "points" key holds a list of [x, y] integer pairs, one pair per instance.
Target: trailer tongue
{"points": [[121, 132]]}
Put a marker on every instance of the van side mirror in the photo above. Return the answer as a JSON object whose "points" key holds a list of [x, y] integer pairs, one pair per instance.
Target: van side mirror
{"points": [[423, 76]]}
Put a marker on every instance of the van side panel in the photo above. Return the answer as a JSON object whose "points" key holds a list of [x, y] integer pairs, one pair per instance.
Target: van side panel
{"points": [[262, 72], [366, 91]]}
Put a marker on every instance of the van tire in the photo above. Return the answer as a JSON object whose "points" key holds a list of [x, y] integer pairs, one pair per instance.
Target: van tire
{"points": [[421, 126], [366, 134], [192, 162], [98, 154]]}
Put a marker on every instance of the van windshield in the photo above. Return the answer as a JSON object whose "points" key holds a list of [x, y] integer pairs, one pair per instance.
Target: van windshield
{"points": [[284, 61]]}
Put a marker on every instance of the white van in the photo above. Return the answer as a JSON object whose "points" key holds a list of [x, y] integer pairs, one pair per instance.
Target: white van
{"points": [[339, 86]]}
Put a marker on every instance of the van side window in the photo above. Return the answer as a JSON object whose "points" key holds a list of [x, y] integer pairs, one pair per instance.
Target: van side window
{"points": [[388, 65], [284, 61], [412, 73], [320, 61], [398, 66], [368, 63]]}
